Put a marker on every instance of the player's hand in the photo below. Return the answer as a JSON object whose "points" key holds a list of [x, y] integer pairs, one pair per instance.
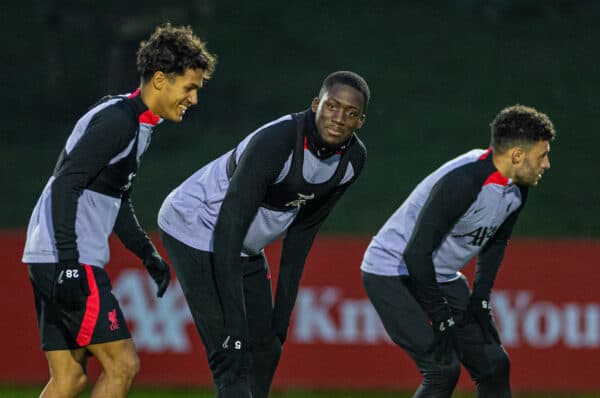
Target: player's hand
{"points": [[444, 344], [70, 287], [479, 311], [159, 271], [280, 330], [230, 357]]}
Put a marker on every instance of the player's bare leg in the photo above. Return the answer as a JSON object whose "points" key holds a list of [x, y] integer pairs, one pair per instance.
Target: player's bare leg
{"points": [[67, 373], [120, 365]]}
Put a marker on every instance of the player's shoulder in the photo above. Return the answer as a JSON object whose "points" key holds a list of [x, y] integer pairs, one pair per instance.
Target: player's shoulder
{"points": [[280, 132], [467, 171], [115, 112]]}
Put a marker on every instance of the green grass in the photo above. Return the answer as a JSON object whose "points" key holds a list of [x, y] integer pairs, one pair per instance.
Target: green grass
{"points": [[22, 392]]}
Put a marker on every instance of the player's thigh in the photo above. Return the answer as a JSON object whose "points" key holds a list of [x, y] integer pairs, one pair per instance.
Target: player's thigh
{"points": [[58, 328], [258, 298], [403, 318], [479, 357], [457, 293], [195, 273]]}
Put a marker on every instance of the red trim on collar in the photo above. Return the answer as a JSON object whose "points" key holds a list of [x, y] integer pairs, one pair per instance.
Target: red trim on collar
{"points": [[496, 178], [135, 93], [485, 154], [146, 117], [149, 118]]}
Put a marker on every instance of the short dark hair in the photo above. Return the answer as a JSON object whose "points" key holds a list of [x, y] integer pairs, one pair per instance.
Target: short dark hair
{"points": [[173, 50], [349, 79], [520, 125]]}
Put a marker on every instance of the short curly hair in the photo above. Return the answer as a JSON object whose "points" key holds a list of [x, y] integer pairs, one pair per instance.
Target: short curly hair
{"points": [[173, 50], [520, 125], [347, 78]]}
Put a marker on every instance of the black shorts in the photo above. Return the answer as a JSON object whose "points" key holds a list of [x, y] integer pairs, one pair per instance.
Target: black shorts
{"points": [[100, 321]]}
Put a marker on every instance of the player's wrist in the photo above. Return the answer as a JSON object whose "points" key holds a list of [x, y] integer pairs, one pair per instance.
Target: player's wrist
{"points": [[441, 312], [68, 256]]}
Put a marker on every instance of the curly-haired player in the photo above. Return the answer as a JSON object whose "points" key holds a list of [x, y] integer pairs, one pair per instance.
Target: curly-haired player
{"points": [[86, 199], [465, 208]]}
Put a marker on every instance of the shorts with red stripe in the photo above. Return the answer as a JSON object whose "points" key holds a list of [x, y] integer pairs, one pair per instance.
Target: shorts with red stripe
{"points": [[100, 321]]}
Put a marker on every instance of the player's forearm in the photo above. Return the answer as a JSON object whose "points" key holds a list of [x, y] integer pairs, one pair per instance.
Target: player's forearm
{"points": [[130, 232], [296, 247], [488, 264], [230, 230], [428, 293], [66, 190], [285, 299]]}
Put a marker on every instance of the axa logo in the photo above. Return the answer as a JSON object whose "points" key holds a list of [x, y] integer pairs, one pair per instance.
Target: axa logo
{"points": [[479, 236], [301, 201]]}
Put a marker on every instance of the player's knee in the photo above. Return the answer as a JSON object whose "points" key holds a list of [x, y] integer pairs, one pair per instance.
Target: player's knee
{"points": [[234, 376], [450, 373], [125, 367], [498, 370], [71, 384], [445, 375]]}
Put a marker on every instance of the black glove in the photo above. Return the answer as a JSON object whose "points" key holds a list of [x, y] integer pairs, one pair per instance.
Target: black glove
{"points": [[70, 288], [479, 311], [229, 357], [280, 330], [444, 340], [159, 271]]}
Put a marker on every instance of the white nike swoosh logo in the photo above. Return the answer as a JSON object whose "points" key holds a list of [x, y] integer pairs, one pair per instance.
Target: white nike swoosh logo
{"points": [[60, 277]]}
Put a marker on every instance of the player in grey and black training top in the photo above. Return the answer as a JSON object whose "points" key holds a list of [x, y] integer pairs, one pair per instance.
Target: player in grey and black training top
{"points": [[86, 199], [284, 178], [411, 269]]}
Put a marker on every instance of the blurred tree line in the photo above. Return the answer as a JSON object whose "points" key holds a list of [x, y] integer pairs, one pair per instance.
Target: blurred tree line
{"points": [[438, 71]]}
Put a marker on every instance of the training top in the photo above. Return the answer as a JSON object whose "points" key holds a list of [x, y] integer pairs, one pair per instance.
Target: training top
{"points": [[463, 209], [88, 195], [271, 183]]}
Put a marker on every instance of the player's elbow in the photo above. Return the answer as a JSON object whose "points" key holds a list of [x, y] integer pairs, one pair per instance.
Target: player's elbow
{"points": [[413, 257]]}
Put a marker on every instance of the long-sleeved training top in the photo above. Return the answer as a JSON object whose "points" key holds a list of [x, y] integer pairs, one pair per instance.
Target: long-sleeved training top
{"points": [[271, 183], [465, 208], [87, 197]]}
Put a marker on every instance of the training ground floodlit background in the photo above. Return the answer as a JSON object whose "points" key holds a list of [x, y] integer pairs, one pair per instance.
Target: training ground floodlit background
{"points": [[439, 71]]}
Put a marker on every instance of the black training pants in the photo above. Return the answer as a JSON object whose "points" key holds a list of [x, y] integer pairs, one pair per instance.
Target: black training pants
{"points": [[408, 326], [195, 272]]}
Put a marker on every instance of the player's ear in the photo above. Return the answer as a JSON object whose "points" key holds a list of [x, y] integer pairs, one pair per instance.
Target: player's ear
{"points": [[315, 104], [361, 121], [517, 155], [159, 79]]}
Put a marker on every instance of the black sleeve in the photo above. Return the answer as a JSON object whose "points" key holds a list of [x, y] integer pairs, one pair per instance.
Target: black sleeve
{"points": [[129, 230], [449, 198], [296, 245], [108, 133], [490, 257], [258, 166]]}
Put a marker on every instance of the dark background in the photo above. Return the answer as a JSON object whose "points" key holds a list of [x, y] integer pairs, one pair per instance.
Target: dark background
{"points": [[439, 71]]}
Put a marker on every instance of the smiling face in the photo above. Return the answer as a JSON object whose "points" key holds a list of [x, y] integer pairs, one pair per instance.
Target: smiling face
{"points": [[176, 93], [339, 112], [533, 164]]}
